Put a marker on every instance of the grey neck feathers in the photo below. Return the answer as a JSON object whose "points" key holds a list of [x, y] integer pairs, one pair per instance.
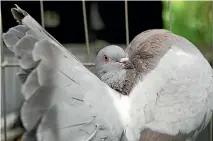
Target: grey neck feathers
{"points": [[121, 81]]}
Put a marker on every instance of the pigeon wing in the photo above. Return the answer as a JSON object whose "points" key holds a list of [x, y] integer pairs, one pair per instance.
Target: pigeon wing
{"points": [[63, 100]]}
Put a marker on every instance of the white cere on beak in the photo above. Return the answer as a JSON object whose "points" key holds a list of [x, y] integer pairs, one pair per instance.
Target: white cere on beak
{"points": [[124, 59]]}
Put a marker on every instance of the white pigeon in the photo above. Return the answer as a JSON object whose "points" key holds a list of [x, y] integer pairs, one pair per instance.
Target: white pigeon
{"points": [[160, 88]]}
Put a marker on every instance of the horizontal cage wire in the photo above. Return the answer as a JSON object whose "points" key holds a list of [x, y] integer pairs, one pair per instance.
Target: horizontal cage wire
{"points": [[4, 63]]}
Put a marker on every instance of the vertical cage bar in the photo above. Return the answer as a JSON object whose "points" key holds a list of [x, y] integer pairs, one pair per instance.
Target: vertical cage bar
{"points": [[3, 84], [42, 13], [86, 29], [170, 14], [127, 23]]}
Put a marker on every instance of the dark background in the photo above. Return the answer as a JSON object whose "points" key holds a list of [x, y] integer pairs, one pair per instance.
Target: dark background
{"points": [[142, 16]]}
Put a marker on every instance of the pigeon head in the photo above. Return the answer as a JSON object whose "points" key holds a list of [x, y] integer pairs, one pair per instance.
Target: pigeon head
{"points": [[112, 59]]}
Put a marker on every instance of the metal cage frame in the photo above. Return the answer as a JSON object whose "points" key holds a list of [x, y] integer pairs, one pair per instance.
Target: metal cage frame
{"points": [[5, 64]]}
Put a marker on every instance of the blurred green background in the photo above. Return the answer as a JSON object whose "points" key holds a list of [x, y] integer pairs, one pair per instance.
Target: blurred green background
{"points": [[192, 20]]}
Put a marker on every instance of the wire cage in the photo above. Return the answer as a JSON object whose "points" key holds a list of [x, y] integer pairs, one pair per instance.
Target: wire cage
{"points": [[5, 64]]}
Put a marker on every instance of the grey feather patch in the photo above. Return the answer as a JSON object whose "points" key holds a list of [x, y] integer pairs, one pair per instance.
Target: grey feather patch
{"points": [[147, 48], [34, 34], [30, 135], [10, 40], [32, 110], [13, 35], [23, 51], [30, 85], [18, 14], [22, 75]]}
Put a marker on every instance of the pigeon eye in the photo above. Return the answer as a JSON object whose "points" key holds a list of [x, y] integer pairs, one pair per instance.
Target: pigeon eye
{"points": [[106, 59]]}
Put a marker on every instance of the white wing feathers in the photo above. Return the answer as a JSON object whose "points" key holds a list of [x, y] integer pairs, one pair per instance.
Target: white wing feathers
{"points": [[64, 100]]}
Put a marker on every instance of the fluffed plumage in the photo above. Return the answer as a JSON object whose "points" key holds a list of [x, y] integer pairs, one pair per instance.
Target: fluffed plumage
{"points": [[172, 94]]}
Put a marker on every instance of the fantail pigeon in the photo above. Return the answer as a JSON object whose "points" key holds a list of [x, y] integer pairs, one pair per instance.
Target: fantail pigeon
{"points": [[159, 89]]}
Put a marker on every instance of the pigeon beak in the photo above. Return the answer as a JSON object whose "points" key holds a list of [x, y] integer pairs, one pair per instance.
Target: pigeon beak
{"points": [[126, 63], [123, 60]]}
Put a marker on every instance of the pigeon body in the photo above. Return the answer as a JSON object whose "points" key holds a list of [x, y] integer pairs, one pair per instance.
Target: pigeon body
{"points": [[162, 88], [165, 67], [176, 80]]}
